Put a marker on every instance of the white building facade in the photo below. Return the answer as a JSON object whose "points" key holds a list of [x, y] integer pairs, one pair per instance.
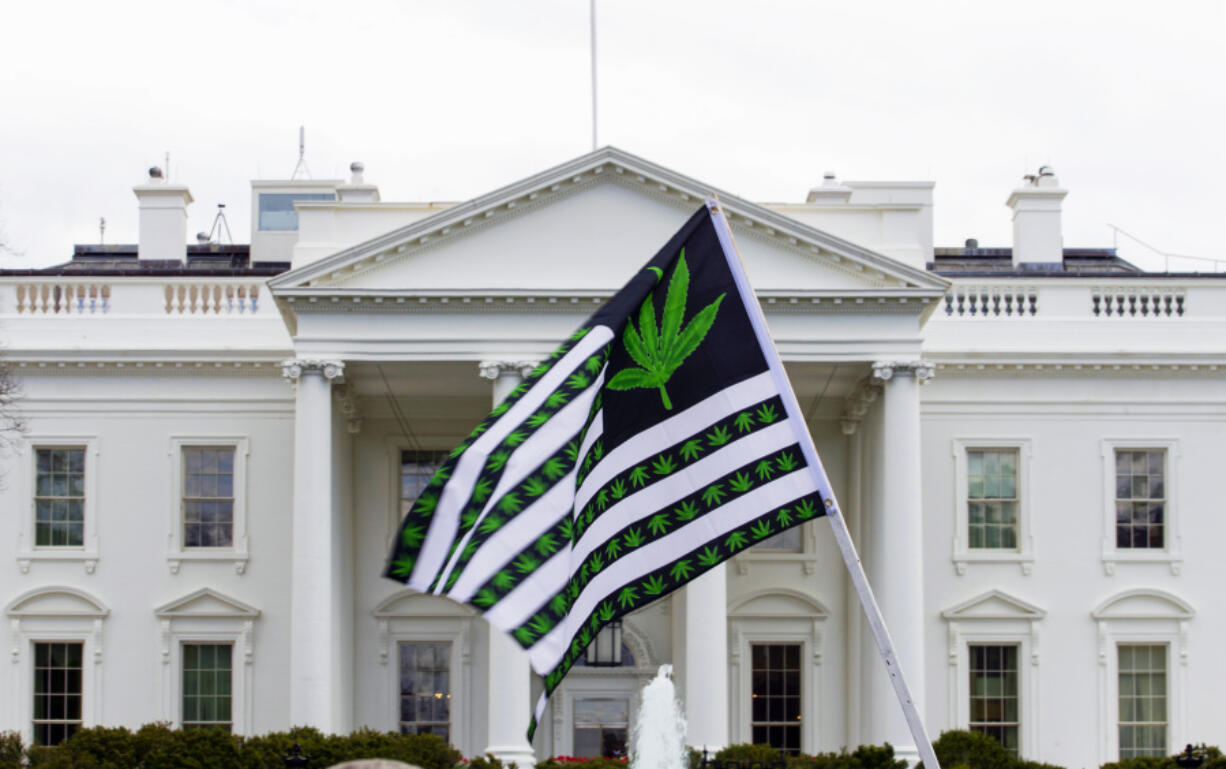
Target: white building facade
{"points": [[221, 441]]}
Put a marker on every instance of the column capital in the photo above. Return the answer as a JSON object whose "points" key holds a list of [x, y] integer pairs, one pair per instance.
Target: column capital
{"points": [[885, 370], [332, 370], [492, 369]]}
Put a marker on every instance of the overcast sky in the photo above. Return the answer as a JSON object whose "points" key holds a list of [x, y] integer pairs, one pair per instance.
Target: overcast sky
{"points": [[449, 99]]}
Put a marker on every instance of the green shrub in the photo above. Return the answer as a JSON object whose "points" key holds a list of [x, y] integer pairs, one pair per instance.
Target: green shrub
{"points": [[486, 762], [745, 754], [11, 750], [974, 749], [574, 762], [864, 757]]}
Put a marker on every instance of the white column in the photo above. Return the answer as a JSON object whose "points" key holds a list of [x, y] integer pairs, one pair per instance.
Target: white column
{"points": [[702, 606], [896, 570], [509, 696], [853, 514], [314, 689]]}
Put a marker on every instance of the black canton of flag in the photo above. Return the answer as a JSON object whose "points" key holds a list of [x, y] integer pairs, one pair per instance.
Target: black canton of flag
{"points": [[658, 441]]}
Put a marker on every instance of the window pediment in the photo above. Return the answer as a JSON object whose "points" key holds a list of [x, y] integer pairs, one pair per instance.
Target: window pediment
{"points": [[206, 602], [56, 602], [778, 603], [994, 604], [408, 603], [1144, 604]]}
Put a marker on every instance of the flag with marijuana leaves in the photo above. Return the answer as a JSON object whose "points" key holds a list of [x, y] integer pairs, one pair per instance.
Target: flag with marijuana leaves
{"points": [[658, 441]]}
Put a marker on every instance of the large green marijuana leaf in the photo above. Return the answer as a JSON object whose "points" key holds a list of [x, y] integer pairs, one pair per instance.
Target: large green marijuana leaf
{"points": [[661, 350]]}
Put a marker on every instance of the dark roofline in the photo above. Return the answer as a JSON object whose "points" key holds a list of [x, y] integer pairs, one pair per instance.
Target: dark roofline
{"points": [[120, 260]]}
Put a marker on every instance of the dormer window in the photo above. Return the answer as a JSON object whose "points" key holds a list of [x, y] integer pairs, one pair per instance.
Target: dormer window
{"points": [[276, 211]]}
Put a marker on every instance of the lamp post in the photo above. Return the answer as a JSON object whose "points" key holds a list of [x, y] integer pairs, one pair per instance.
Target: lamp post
{"points": [[294, 758], [1190, 758]]}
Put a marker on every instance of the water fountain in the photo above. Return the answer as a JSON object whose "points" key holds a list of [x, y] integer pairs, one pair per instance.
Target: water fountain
{"points": [[658, 738]]}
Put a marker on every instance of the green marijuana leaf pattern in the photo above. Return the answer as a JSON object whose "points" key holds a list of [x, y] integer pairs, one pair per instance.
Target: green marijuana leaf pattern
{"points": [[638, 476], [664, 465], [764, 469], [687, 511], [660, 350], [786, 462], [691, 449], [719, 436], [741, 483], [766, 414]]}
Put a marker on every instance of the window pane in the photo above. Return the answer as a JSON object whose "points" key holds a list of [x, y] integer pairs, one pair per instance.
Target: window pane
{"points": [[57, 691], [775, 694], [992, 489], [994, 691], [208, 496], [276, 210], [206, 686], [1142, 700], [425, 688]]}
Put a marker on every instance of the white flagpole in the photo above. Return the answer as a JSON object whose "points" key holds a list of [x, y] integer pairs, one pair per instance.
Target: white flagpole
{"points": [[592, 16], [872, 612]]}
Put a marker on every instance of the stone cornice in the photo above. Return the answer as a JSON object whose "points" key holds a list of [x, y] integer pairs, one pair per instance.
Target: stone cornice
{"points": [[196, 367], [1086, 365], [374, 301]]}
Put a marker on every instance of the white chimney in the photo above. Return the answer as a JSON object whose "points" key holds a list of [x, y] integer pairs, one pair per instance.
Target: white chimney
{"points": [[1037, 234], [830, 193], [357, 190], [163, 218]]}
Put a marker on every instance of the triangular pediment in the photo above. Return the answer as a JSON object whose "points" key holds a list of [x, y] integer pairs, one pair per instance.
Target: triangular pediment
{"points": [[56, 602], [994, 604], [206, 602], [1144, 604], [581, 229]]}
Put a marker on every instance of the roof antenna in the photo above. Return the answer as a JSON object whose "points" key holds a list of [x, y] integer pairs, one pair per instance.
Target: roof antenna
{"points": [[219, 223], [101, 230], [302, 166]]}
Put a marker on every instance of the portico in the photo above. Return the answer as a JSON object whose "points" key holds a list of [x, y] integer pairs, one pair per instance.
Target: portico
{"points": [[427, 324]]}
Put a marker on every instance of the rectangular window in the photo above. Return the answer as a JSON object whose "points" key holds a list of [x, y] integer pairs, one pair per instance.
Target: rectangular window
{"points": [[991, 498], [425, 689], [786, 541], [994, 693], [416, 470], [1142, 701], [207, 678], [1140, 498], [208, 496], [775, 690], [59, 497], [277, 209], [57, 691], [601, 726]]}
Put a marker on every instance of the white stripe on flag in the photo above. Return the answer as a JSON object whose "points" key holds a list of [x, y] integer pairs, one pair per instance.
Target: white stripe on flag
{"points": [[445, 521], [676, 428], [548, 651], [683, 483], [505, 543], [525, 458], [529, 595]]}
